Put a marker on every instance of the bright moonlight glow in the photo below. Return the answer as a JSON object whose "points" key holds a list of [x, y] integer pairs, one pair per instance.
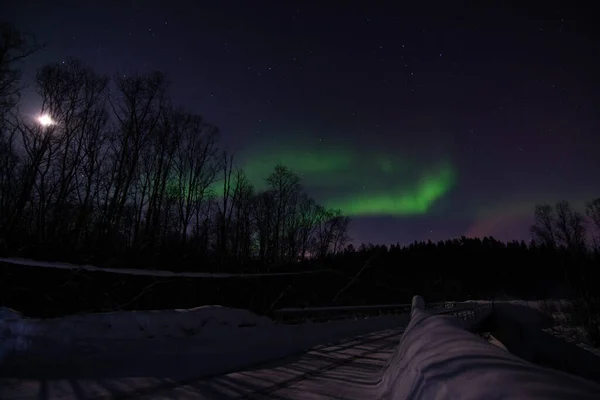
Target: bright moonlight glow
{"points": [[45, 120]]}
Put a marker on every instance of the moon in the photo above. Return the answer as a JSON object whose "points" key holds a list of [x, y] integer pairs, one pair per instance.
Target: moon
{"points": [[45, 120]]}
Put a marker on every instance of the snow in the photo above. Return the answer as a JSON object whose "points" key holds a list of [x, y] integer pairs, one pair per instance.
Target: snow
{"points": [[126, 271], [529, 331], [14, 332], [292, 310], [142, 352], [204, 322], [438, 359], [349, 370], [176, 343]]}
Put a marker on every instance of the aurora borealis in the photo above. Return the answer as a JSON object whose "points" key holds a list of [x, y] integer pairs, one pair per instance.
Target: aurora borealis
{"points": [[419, 125], [359, 185]]}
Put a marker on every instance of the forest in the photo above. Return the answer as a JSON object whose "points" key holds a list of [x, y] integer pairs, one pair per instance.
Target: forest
{"points": [[113, 173]]}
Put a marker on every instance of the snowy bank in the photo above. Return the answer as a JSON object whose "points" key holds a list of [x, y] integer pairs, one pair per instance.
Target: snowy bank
{"points": [[438, 359], [527, 330], [176, 344], [15, 333]]}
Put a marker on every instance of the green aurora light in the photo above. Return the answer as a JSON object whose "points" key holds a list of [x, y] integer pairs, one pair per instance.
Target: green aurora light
{"points": [[357, 183], [415, 200]]}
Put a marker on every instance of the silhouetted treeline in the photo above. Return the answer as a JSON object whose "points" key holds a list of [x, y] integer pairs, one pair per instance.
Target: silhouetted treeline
{"points": [[118, 175], [458, 269]]}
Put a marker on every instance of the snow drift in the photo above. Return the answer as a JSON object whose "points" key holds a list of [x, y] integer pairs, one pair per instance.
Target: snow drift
{"points": [[438, 359], [174, 344], [15, 333]]}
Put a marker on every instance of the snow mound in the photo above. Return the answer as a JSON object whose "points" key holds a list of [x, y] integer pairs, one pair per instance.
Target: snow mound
{"points": [[15, 333], [438, 359], [201, 341], [206, 322]]}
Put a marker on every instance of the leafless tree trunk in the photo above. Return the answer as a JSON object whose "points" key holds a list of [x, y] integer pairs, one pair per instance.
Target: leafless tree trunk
{"points": [[242, 232], [15, 176], [10, 164], [331, 233], [38, 146], [542, 231], [592, 209], [73, 96], [309, 218], [225, 208], [195, 169], [14, 48], [159, 161], [340, 231], [138, 108], [264, 205], [285, 187], [570, 229]]}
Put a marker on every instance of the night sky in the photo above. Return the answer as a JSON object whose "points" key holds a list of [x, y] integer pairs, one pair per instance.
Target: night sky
{"points": [[431, 123]]}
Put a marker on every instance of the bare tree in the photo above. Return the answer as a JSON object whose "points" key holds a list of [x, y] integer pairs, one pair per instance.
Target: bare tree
{"points": [[195, 170], [340, 231], [331, 233], [118, 168], [138, 107], [570, 229], [225, 207], [264, 219], [542, 231], [309, 219], [285, 187], [14, 47], [592, 209], [290, 248], [10, 184], [73, 95], [243, 229], [39, 144], [158, 165]]}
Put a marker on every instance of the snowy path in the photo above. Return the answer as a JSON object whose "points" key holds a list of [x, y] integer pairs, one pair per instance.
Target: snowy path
{"points": [[347, 369]]}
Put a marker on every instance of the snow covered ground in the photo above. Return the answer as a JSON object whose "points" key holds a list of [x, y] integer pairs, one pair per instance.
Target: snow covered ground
{"points": [[144, 349], [202, 341], [527, 330], [437, 359], [214, 338], [550, 316], [223, 353], [216, 352]]}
